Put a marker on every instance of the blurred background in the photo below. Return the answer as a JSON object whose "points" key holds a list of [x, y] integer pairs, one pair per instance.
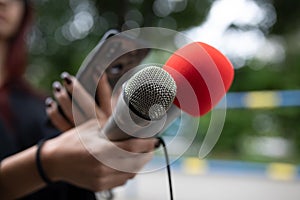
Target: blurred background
{"points": [[261, 135]]}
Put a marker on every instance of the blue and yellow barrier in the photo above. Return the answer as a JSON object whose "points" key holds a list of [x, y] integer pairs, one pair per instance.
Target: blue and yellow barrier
{"points": [[247, 100], [273, 171], [196, 167], [261, 99]]}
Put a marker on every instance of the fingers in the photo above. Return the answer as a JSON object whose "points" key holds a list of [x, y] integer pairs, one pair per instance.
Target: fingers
{"points": [[138, 145], [137, 152], [63, 99], [83, 99], [75, 104], [55, 116], [68, 110], [133, 164], [129, 164], [127, 168], [104, 94], [106, 171]]}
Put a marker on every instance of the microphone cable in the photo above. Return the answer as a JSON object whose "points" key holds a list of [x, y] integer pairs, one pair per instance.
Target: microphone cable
{"points": [[162, 142]]}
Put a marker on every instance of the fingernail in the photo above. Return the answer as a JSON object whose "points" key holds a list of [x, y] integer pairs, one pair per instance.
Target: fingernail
{"points": [[48, 102], [66, 76], [57, 86], [157, 144]]}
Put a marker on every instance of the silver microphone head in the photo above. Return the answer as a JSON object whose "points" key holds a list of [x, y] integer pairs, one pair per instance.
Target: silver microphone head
{"points": [[150, 92]]}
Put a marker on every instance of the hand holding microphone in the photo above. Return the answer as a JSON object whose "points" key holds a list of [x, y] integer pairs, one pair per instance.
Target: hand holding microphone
{"points": [[194, 79], [200, 74], [143, 103], [82, 151]]}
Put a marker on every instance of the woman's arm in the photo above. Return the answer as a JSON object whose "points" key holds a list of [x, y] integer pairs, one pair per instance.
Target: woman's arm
{"points": [[80, 157], [18, 175]]}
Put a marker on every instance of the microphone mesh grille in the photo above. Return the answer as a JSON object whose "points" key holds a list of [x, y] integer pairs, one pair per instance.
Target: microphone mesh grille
{"points": [[150, 92]]}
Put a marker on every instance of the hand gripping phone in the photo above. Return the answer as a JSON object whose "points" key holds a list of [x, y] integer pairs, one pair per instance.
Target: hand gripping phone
{"points": [[115, 54]]}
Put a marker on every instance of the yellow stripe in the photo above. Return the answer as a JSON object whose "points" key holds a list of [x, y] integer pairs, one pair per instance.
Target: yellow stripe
{"points": [[194, 166], [262, 100], [282, 171]]}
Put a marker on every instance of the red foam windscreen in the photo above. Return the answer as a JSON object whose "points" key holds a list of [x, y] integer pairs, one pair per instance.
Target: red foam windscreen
{"points": [[202, 74]]}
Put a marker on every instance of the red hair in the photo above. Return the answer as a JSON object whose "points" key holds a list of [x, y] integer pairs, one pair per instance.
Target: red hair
{"points": [[15, 65]]}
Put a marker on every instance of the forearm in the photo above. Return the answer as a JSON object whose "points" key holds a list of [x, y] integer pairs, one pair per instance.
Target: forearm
{"points": [[66, 158], [19, 176]]}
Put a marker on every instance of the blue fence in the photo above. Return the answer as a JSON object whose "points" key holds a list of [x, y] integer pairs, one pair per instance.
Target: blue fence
{"points": [[261, 99], [196, 166], [245, 100]]}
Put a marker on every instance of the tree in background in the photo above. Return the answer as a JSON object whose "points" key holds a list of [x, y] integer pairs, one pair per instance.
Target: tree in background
{"points": [[66, 32]]}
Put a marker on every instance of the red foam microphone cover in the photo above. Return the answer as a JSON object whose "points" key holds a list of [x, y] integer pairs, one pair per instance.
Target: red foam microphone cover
{"points": [[202, 74]]}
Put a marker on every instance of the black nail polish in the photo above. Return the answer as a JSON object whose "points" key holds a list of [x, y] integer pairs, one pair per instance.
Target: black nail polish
{"points": [[66, 77], [157, 144], [48, 102], [57, 86]]}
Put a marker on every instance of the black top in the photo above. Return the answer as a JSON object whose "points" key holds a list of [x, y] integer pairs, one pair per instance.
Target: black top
{"points": [[29, 125]]}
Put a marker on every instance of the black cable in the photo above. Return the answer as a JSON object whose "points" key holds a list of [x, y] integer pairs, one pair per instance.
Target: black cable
{"points": [[162, 142]]}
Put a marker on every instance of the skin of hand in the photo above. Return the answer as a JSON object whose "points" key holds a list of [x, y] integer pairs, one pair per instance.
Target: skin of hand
{"points": [[124, 163], [85, 107], [77, 163], [71, 157]]}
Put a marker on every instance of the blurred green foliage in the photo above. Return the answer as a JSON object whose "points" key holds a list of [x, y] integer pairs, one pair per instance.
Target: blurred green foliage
{"points": [[60, 41], [57, 44]]}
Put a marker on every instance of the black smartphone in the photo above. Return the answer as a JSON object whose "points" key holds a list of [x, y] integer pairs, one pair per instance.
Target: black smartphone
{"points": [[115, 54]]}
